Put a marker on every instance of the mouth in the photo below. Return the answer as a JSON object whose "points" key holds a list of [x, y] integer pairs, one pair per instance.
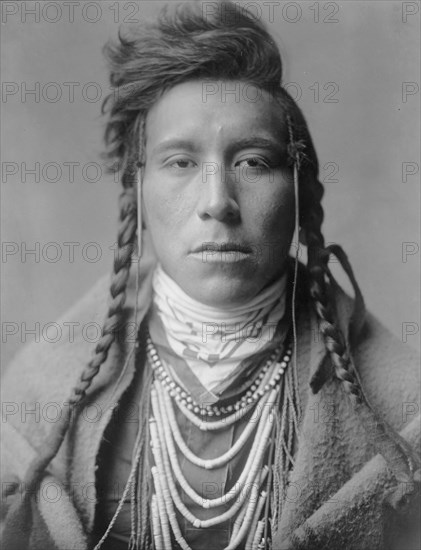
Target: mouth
{"points": [[221, 252], [226, 246]]}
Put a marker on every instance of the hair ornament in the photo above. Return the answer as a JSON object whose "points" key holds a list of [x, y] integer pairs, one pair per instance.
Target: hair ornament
{"points": [[295, 148]]}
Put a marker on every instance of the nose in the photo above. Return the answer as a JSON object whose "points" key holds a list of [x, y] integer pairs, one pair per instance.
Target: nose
{"points": [[217, 198]]}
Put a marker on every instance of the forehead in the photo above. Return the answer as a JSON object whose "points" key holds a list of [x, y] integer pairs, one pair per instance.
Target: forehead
{"points": [[227, 110]]}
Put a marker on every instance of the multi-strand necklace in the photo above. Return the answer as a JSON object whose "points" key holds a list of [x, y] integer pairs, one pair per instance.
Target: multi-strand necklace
{"points": [[246, 506], [265, 415]]}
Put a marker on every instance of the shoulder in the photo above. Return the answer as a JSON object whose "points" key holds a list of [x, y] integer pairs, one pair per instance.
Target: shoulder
{"points": [[36, 384], [38, 381], [42, 365], [40, 377], [42, 368], [388, 368]]}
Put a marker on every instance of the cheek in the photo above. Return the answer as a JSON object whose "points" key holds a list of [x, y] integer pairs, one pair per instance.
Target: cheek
{"points": [[275, 212], [276, 231], [164, 211]]}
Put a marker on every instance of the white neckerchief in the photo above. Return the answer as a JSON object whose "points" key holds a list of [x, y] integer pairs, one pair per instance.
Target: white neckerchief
{"points": [[214, 341]]}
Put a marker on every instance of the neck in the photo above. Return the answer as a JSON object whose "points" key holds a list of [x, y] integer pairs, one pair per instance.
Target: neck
{"points": [[206, 334], [165, 287]]}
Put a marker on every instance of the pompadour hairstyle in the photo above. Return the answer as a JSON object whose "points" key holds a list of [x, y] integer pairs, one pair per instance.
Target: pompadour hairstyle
{"points": [[189, 41]]}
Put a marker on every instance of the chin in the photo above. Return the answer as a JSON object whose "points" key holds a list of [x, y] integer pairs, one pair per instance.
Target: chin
{"points": [[222, 293]]}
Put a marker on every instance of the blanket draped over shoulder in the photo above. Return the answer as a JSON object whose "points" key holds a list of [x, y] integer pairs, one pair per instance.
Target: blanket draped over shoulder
{"points": [[342, 493]]}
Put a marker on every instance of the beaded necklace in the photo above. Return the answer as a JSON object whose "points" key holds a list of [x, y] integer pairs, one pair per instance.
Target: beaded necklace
{"points": [[261, 400], [272, 402], [260, 386]]}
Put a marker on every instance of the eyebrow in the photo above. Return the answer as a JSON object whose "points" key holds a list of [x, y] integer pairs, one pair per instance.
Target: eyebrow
{"points": [[243, 143], [175, 143], [257, 141]]}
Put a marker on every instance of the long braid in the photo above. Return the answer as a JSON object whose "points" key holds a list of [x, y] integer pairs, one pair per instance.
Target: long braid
{"points": [[317, 267], [302, 156], [400, 457], [112, 323], [111, 327], [397, 453]]}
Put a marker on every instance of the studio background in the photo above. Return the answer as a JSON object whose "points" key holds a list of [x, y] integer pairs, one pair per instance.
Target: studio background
{"points": [[355, 78]]}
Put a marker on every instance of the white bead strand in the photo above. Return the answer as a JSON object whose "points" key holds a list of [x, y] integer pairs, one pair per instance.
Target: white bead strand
{"points": [[247, 524], [259, 508], [167, 442], [258, 535], [206, 426], [242, 481], [256, 390], [164, 488], [209, 464], [163, 518], [236, 506], [235, 541], [157, 536]]}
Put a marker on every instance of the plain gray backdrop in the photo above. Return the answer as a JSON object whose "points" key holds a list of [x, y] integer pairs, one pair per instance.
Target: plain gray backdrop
{"points": [[354, 68]]}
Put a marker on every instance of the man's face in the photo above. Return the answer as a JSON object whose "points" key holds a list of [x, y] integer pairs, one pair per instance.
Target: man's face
{"points": [[217, 193]]}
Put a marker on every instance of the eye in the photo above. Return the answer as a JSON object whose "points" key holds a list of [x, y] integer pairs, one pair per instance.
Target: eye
{"points": [[253, 162], [181, 163]]}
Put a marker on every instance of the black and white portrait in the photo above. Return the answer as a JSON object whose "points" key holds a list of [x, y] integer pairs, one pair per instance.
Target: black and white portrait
{"points": [[211, 264]]}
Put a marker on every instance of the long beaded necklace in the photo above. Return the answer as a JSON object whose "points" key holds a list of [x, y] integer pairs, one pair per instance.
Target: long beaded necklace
{"points": [[165, 437]]}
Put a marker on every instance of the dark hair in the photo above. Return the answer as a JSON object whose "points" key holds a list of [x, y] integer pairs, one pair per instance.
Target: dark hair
{"points": [[226, 44], [181, 45]]}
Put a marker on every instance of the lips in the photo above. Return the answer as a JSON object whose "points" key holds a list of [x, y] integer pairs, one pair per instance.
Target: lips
{"points": [[226, 246]]}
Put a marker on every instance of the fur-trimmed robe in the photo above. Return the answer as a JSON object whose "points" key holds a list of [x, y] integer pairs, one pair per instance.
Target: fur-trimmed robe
{"points": [[341, 494]]}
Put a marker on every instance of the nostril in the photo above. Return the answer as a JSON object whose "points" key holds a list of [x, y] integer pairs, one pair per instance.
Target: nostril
{"points": [[222, 212], [216, 202]]}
